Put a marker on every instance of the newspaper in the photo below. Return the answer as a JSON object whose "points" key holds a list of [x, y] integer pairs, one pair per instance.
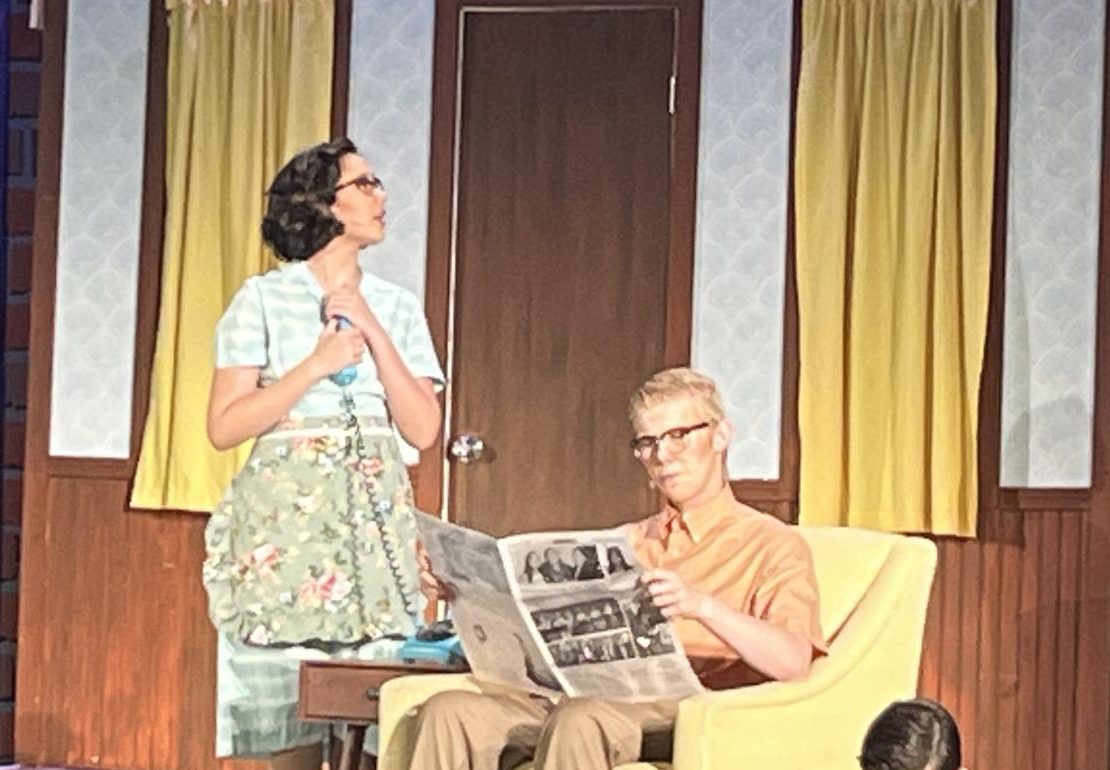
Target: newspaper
{"points": [[558, 612]]}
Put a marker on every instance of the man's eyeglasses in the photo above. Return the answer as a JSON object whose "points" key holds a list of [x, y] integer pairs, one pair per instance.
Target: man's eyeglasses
{"points": [[366, 184], [674, 439]]}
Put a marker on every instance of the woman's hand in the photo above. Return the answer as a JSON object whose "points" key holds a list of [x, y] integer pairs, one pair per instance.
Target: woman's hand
{"points": [[430, 585], [413, 404], [337, 348], [673, 597], [350, 304]]}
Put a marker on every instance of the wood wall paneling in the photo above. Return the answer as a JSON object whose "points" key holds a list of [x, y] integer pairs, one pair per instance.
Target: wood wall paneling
{"points": [[1002, 637]]}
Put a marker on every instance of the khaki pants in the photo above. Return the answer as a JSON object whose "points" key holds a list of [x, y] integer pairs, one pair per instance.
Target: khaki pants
{"points": [[459, 730]]}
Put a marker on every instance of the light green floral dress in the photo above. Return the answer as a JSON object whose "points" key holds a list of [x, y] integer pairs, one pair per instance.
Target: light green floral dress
{"points": [[312, 544]]}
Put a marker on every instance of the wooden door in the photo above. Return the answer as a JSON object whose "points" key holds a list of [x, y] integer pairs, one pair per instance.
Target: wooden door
{"points": [[563, 259]]}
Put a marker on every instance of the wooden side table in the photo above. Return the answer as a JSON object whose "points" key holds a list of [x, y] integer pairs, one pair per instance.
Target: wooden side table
{"points": [[347, 691]]}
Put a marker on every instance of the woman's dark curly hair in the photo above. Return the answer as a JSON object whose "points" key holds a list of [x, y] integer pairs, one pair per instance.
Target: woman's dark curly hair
{"points": [[298, 220], [912, 735]]}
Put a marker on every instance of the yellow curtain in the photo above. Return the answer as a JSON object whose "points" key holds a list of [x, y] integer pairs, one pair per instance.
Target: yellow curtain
{"points": [[249, 84], [894, 172]]}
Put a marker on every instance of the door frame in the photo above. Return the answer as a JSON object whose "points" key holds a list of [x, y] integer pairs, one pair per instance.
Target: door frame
{"points": [[431, 481]]}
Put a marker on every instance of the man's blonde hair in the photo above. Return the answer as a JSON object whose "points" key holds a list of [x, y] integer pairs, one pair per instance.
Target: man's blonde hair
{"points": [[678, 382]]}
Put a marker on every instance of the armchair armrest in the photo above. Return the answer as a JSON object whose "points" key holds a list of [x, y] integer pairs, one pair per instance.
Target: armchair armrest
{"points": [[818, 723]]}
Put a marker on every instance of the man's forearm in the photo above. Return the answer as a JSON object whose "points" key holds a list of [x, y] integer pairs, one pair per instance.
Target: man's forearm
{"points": [[769, 649]]}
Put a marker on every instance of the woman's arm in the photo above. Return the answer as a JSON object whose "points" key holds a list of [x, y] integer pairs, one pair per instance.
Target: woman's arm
{"points": [[412, 400], [238, 409]]}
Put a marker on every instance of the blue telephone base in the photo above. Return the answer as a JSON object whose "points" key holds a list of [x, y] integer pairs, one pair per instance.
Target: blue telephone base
{"points": [[446, 651]]}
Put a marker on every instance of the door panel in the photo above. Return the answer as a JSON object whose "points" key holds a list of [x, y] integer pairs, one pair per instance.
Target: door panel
{"points": [[562, 255]]}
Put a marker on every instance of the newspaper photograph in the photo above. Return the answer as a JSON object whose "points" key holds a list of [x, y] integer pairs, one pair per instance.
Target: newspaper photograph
{"points": [[499, 644], [558, 612]]}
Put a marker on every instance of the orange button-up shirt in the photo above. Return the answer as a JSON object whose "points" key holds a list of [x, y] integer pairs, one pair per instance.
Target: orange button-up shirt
{"points": [[748, 560]]}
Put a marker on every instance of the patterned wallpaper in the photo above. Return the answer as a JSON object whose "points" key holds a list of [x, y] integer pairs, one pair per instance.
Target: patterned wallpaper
{"points": [[1055, 130], [389, 118], [98, 229], [1054, 146], [741, 221]]}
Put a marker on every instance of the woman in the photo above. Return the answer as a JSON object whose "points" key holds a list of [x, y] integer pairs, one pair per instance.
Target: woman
{"points": [[312, 545], [531, 572], [617, 562]]}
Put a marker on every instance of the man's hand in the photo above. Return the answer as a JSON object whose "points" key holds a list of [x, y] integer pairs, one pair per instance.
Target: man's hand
{"points": [[430, 585], [673, 597]]}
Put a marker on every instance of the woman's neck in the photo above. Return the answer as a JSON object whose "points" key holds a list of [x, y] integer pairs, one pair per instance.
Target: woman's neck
{"points": [[335, 266]]}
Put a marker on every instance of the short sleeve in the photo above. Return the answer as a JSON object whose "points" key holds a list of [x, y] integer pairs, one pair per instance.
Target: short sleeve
{"points": [[787, 593], [416, 347], [241, 330]]}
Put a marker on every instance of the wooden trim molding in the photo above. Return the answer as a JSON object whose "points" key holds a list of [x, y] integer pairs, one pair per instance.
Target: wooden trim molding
{"points": [[341, 68], [762, 490], [152, 228], [990, 394], [1092, 694], [684, 183], [33, 572], [44, 253], [993, 497], [1030, 499], [790, 451]]}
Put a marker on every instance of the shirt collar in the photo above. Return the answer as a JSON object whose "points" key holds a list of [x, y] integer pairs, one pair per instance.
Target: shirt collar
{"points": [[697, 522], [302, 272]]}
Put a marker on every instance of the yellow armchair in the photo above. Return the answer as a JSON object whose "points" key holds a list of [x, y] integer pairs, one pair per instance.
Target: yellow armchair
{"points": [[874, 594]]}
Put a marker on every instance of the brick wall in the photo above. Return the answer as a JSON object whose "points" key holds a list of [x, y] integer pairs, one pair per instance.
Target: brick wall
{"points": [[25, 52]]}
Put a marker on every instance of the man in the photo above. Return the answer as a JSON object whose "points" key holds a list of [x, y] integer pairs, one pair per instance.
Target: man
{"points": [[737, 584], [554, 569], [586, 566], [912, 735]]}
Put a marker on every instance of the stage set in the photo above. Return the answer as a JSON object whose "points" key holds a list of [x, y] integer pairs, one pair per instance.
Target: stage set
{"points": [[879, 227]]}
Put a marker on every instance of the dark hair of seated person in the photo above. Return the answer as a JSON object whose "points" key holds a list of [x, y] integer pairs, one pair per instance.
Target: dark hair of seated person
{"points": [[298, 221], [912, 735]]}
